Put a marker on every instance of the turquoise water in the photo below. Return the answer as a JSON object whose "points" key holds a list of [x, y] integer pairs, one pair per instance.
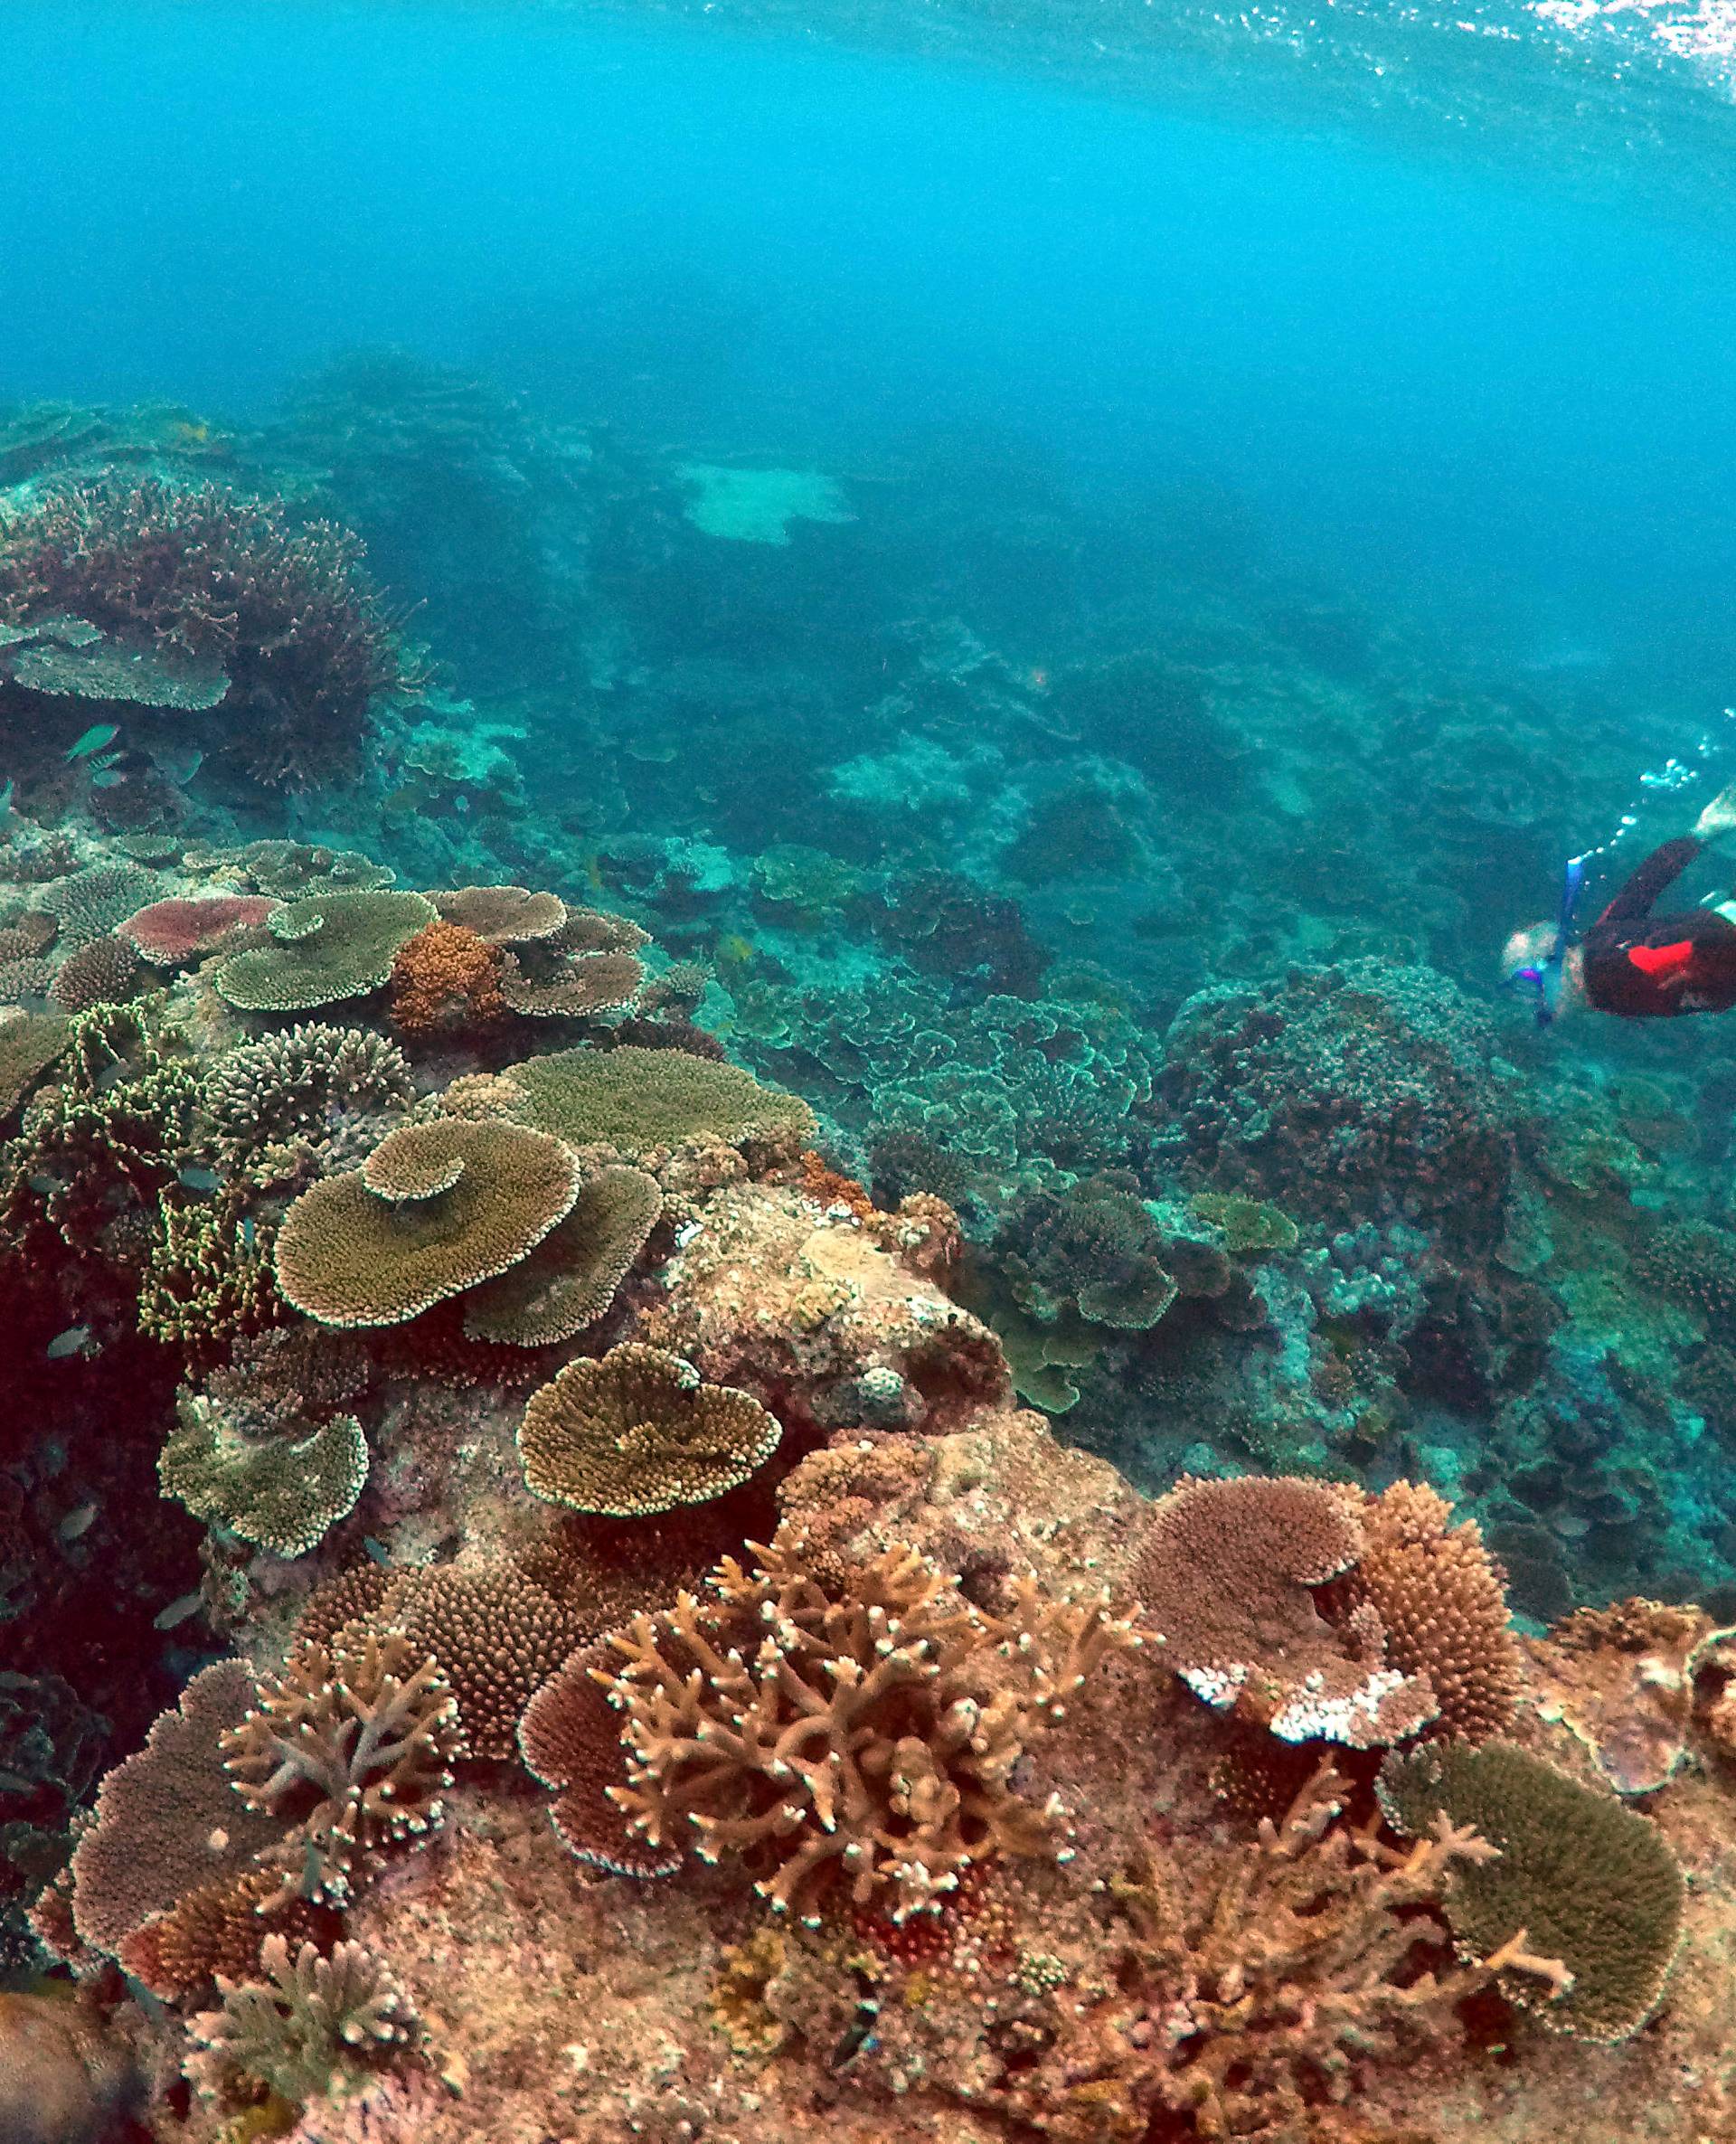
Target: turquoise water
{"points": [[864, 696]]}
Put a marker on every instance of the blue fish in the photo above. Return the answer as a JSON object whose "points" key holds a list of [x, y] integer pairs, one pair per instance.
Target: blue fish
{"points": [[93, 740]]}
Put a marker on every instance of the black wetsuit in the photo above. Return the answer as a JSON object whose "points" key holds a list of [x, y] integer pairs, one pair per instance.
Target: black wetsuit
{"points": [[1643, 967]]}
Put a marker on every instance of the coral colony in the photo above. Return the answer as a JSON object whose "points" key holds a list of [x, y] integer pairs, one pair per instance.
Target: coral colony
{"points": [[735, 1412]]}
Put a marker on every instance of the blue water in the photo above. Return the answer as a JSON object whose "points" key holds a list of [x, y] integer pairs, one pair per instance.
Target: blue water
{"points": [[1496, 401]]}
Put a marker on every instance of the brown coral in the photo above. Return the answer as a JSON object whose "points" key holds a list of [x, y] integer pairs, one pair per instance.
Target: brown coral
{"points": [[1224, 1577], [167, 1820], [571, 987], [1277, 1974], [502, 915], [435, 1209], [638, 1432], [572, 1276], [351, 1746], [496, 1635], [103, 971], [218, 1929], [865, 1736], [446, 980], [1442, 1603]]}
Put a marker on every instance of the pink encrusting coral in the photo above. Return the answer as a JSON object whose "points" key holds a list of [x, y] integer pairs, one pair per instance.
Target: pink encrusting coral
{"points": [[168, 933]]}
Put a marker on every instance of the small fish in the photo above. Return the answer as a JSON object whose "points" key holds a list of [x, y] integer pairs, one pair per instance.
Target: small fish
{"points": [[77, 1522], [93, 740], [74, 1340], [106, 778], [378, 1552], [195, 1178], [177, 1611]]}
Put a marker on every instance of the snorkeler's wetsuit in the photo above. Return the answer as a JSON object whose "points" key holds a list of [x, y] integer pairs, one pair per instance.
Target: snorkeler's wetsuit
{"points": [[1643, 967]]}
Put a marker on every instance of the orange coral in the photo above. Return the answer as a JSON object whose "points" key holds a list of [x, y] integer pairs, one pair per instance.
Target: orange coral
{"points": [[826, 1187], [445, 977], [1442, 1603]]}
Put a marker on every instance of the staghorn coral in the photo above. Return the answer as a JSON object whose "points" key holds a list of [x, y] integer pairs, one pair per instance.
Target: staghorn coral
{"points": [[435, 1209], [286, 1492], [1223, 1576], [446, 979], [311, 2023], [863, 1733], [205, 573], [502, 915], [639, 1099], [206, 1282], [572, 1276], [102, 971], [172, 932], [166, 1819], [327, 947], [308, 1086], [350, 1748], [1577, 1877], [1442, 1604], [638, 1433], [1273, 1976]]}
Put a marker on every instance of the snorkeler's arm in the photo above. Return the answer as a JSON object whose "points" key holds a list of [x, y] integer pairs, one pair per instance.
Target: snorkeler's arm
{"points": [[1660, 870]]}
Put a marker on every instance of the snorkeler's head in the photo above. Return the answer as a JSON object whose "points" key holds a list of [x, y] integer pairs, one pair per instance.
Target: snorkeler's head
{"points": [[1535, 965]]}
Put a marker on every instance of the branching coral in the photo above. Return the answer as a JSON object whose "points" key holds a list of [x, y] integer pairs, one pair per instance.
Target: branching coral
{"points": [[205, 573], [1224, 1577], [640, 1431], [863, 1733], [1273, 1976], [574, 1273], [311, 2022], [1578, 1877], [435, 1209], [351, 1747], [206, 1282], [284, 1492], [326, 948], [446, 979], [311, 1087]]}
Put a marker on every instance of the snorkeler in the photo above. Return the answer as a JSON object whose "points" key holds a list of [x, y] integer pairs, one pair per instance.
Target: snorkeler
{"points": [[1630, 962]]}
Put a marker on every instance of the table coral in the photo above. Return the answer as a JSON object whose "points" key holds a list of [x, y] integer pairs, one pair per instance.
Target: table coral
{"points": [[171, 932], [572, 1276], [1224, 1578], [284, 1492], [435, 1209], [638, 1432], [639, 1099], [327, 947]]}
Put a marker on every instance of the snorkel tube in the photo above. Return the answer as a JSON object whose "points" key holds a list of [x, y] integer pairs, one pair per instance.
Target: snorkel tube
{"points": [[1543, 978]]}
